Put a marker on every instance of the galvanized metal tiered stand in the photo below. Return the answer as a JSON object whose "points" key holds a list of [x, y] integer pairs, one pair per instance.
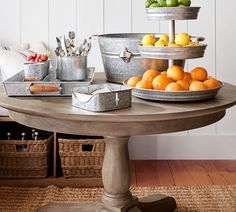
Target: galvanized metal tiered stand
{"points": [[173, 54]]}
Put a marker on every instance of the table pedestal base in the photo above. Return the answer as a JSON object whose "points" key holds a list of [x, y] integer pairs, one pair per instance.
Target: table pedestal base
{"points": [[116, 177], [155, 203]]}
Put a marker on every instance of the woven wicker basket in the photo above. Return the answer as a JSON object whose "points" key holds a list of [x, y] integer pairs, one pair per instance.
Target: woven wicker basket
{"points": [[81, 157], [24, 159]]}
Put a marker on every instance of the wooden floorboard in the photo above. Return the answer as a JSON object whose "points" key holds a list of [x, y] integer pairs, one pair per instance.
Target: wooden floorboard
{"points": [[198, 172], [60, 182], [5, 119], [146, 173], [133, 175], [216, 176], [164, 174], [151, 174], [228, 170], [181, 175]]}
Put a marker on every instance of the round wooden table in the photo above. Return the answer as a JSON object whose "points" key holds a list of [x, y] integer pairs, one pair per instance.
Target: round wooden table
{"points": [[143, 118]]}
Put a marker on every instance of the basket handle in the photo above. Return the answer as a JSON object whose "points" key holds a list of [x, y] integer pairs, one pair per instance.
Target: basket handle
{"points": [[21, 148], [88, 147], [44, 89]]}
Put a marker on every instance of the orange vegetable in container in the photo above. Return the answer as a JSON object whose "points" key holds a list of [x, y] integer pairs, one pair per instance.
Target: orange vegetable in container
{"points": [[175, 73], [196, 86], [133, 81], [199, 74], [143, 84], [184, 84], [174, 86], [160, 82], [212, 83]]}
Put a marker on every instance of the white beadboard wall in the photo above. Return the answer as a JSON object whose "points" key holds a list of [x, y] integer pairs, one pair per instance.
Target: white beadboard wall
{"points": [[29, 20]]}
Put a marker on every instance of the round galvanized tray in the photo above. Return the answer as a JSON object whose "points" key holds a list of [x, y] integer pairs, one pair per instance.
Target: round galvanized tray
{"points": [[178, 96], [175, 53], [172, 13]]}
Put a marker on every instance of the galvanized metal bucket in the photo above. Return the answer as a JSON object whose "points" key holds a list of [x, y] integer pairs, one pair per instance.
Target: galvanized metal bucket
{"points": [[72, 68], [121, 57], [37, 70]]}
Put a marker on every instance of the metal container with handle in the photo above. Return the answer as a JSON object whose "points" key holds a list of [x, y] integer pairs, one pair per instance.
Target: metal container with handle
{"points": [[121, 57]]}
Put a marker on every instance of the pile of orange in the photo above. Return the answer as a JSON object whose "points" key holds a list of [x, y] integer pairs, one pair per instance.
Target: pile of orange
{"points": [[175, 79]]}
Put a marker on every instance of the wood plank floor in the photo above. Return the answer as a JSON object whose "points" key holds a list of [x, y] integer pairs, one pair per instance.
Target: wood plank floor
{"points": [[183, 173], [151, 173]]}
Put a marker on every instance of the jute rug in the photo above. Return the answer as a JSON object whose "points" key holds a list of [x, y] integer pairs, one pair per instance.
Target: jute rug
{"points": [[192, 199]]}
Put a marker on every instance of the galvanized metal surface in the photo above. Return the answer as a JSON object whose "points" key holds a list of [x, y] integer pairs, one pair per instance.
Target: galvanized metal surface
{"points": [[36, 69], [114, 97], [113, 48], [172, 13], [174, 53], [171, 37], [15, 86], [72, 68], [179, 96]]}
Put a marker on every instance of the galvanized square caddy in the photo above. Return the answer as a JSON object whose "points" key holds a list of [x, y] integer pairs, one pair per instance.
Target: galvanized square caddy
{"points": [[49, 86], [102, 97]]}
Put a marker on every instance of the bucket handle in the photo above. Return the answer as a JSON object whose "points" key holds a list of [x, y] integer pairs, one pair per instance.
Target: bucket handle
{"points": [[126, 55]]}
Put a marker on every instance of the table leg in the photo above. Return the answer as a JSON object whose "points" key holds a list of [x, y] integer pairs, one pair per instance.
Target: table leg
{"points": [[116, 176]]}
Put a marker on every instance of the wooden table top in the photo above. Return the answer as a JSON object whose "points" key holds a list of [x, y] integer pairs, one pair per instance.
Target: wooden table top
{"points": [[61, 108]]}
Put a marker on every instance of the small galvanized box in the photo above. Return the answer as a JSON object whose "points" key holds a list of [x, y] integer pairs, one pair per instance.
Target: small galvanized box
{"points": [[102, 97], [38, 70]]}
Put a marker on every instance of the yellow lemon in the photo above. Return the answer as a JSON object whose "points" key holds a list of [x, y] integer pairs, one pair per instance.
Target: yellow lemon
{"points": [[160, 43], [173, 45], [149, 40], [190, 44], [197, 44], [165, 38], [182, 39], [193, 44]]}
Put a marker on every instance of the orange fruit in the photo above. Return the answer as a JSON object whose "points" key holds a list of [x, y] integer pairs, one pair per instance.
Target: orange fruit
{"points": [[191, 81], [212, 83], [196, 86], [151, 72], [199, 74], [133, 81], [148, 78], [174, 86], [184, 84], [210, 77], [164, 73], [143, 84], [175, 73], [160, 82], [187, 76]]}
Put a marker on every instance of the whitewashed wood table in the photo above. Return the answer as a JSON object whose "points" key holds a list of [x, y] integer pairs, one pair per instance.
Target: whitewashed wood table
{"points": [[143, 118]]}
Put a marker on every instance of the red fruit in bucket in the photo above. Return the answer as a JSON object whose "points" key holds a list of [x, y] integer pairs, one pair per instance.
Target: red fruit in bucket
{"points": [[44, 57], [31, 57], [38, 57]]}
